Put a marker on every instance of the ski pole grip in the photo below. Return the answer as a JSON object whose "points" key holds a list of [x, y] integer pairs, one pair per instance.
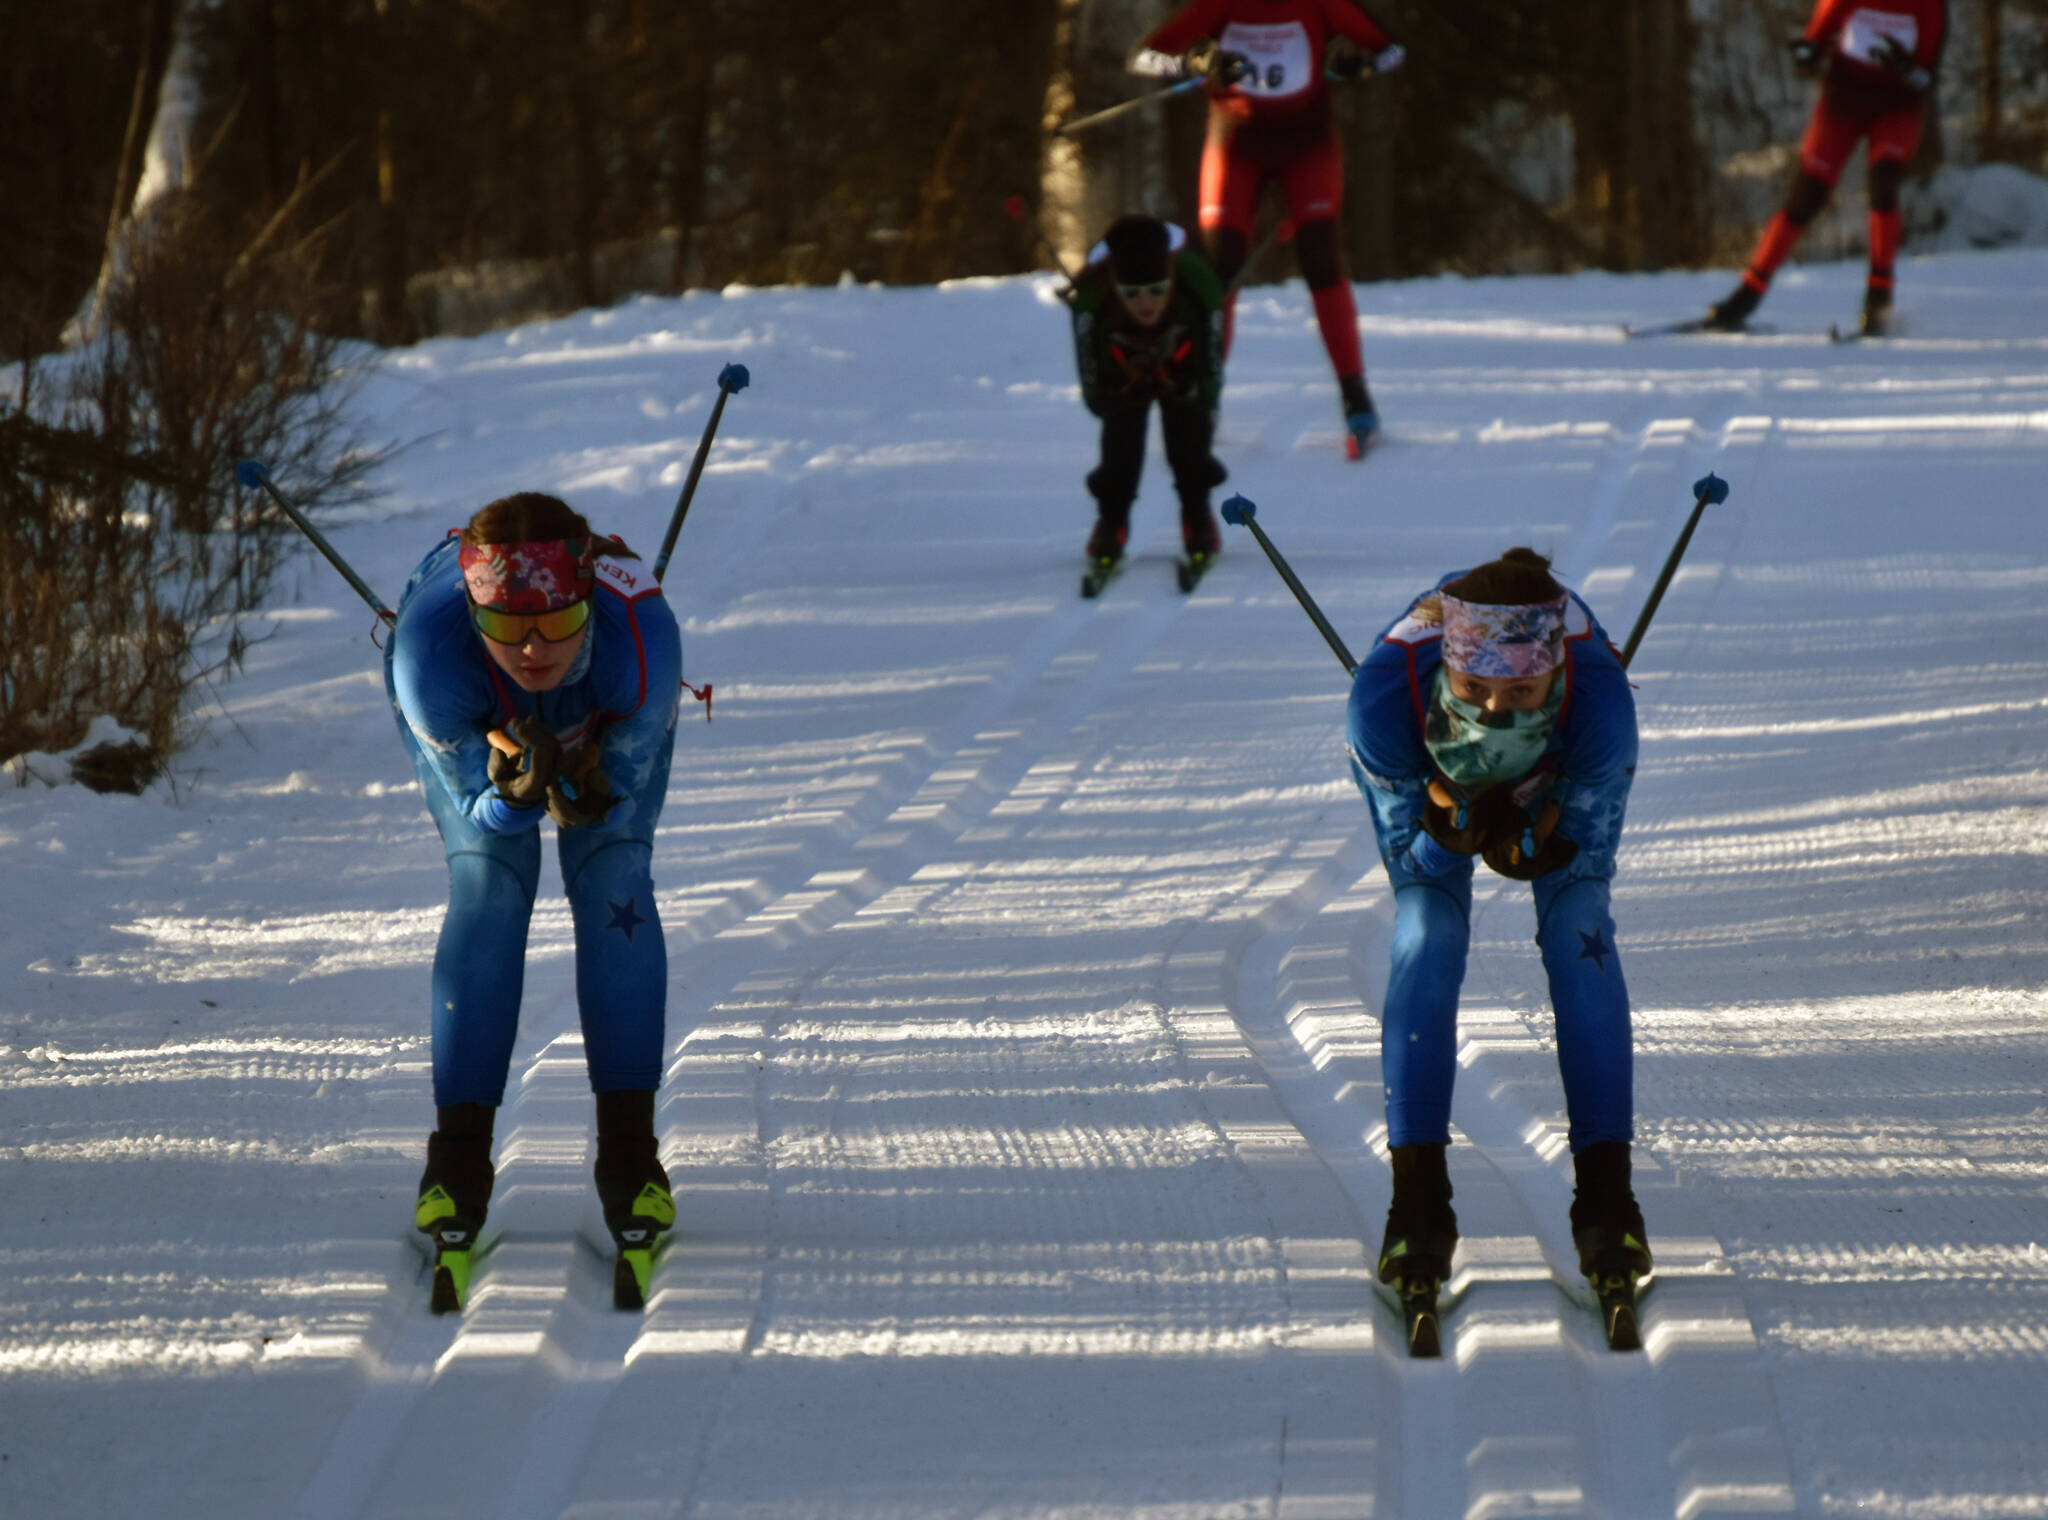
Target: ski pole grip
{"points": [[1241, 512], [1708, 489]]}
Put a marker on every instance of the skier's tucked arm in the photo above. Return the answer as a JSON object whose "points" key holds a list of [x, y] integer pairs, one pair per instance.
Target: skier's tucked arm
{"points": [[1206, 369], [632, 746], [452, 740], [1599, 766], [1086, 316], [1390, 766]]}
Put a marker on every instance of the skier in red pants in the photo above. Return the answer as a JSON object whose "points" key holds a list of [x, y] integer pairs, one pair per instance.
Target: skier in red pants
{"points": [[1876, 63], [1270, 118]]}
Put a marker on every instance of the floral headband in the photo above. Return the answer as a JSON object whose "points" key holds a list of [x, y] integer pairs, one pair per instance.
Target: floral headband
{"points": [[1482, 639], [539, 576]]}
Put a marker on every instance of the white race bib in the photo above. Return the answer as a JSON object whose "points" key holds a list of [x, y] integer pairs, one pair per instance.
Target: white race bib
{"points": [[1866, 29], [1282, 62]]}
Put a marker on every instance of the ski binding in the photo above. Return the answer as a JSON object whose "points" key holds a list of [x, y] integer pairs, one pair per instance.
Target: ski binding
{"points": [[1100, 573]]}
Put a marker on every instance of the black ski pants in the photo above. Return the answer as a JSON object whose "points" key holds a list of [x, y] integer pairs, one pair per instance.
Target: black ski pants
{"points": [[1187, 428]]}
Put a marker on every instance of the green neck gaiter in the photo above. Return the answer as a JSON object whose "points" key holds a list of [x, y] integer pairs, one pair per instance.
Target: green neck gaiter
{"points": [[1476, 748]]}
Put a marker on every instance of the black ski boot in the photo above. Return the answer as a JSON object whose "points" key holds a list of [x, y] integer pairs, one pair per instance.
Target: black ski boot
{"points": [[1105, 553], [634, 1190], [1877, 313], [1421, 1235], [1732, 314], [1607, 1228], [455, 1196], [1361, 421], [1201, 540]]}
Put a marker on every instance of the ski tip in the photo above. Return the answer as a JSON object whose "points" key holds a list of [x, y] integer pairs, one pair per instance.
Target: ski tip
{"points": [[1239, 510], [250, 474], [1710, 488], [734, 378]]}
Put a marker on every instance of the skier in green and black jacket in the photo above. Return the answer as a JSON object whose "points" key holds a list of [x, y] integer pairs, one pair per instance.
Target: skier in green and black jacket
{"points": [[1148, 326]]}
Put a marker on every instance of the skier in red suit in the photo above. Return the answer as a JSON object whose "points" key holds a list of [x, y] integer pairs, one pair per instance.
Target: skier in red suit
{"points": [[1876, 63], [1268, 63]]}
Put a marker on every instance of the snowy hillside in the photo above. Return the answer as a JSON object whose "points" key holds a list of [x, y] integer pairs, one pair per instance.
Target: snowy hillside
{"points": [[1024, 1099]]}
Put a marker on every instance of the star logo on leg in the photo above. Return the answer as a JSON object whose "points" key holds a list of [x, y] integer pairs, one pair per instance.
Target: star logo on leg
{"points": [[624, 919], [1594, 947]]}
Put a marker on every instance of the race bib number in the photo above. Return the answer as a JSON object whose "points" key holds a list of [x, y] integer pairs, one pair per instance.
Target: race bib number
{"points": [[625, 578], [1866, 30], [1282, 62]]}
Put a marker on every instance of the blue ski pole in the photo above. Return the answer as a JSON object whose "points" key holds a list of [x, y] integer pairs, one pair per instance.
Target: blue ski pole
{"points": [[251, 475], [1709, 488], [732, 378], [1244, 514]]}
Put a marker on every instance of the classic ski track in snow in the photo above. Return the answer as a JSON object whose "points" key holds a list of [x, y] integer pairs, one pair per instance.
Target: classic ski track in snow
{"points": [[1023, 1093], [1517, 1322], [413, 1406]]}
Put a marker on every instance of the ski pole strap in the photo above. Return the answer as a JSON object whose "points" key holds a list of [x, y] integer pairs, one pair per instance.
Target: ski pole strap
{"points": [[1709, 488], [1242, 513], [702, 694], [251, 475], [733, 377]]}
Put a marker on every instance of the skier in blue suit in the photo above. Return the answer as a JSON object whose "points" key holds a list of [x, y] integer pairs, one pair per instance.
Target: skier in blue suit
{"points": [[536, 672], [1493, 721]]}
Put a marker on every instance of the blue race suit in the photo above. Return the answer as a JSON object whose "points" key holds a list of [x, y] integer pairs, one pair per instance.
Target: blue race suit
{"points": [[622, 694], [1587, 769]]}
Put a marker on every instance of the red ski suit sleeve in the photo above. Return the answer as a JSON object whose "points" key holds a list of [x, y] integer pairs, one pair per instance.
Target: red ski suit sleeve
{"points": [[1285, 42], [1207, 18], [1831, 20]]}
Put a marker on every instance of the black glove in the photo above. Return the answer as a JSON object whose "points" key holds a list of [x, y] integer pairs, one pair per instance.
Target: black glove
{"points": [[1523, 848], [1346, 61], [581, 795], [1807, 57], [525, 756], [1214, 63], [1894, 55]]}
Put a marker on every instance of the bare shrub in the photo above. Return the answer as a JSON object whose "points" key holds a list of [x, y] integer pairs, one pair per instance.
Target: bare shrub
{"points": [[129, 559]]}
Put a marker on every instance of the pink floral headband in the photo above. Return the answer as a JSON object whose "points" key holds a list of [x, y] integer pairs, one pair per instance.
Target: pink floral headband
{"points": [[538, 576], [1482, 639]]}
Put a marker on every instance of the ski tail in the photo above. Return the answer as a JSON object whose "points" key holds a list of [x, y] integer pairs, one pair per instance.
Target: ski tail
{"points": [[1618, 1317]]}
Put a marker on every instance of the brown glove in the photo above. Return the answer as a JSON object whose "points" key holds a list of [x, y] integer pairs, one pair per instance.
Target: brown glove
{"points": [[1523, 848], [1458, 822], [525, 755], [581, 795]]}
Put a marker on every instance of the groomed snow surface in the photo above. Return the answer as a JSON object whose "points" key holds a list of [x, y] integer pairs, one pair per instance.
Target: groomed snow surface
{"points": [[1023, 1093]]}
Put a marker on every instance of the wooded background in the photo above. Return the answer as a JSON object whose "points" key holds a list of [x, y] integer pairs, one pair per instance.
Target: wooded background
{"points": [[453, 158]]}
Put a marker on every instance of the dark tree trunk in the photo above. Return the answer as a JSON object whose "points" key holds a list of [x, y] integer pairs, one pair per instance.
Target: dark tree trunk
{"points": [[1990, 99], [588, 193], [394, 321]]}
